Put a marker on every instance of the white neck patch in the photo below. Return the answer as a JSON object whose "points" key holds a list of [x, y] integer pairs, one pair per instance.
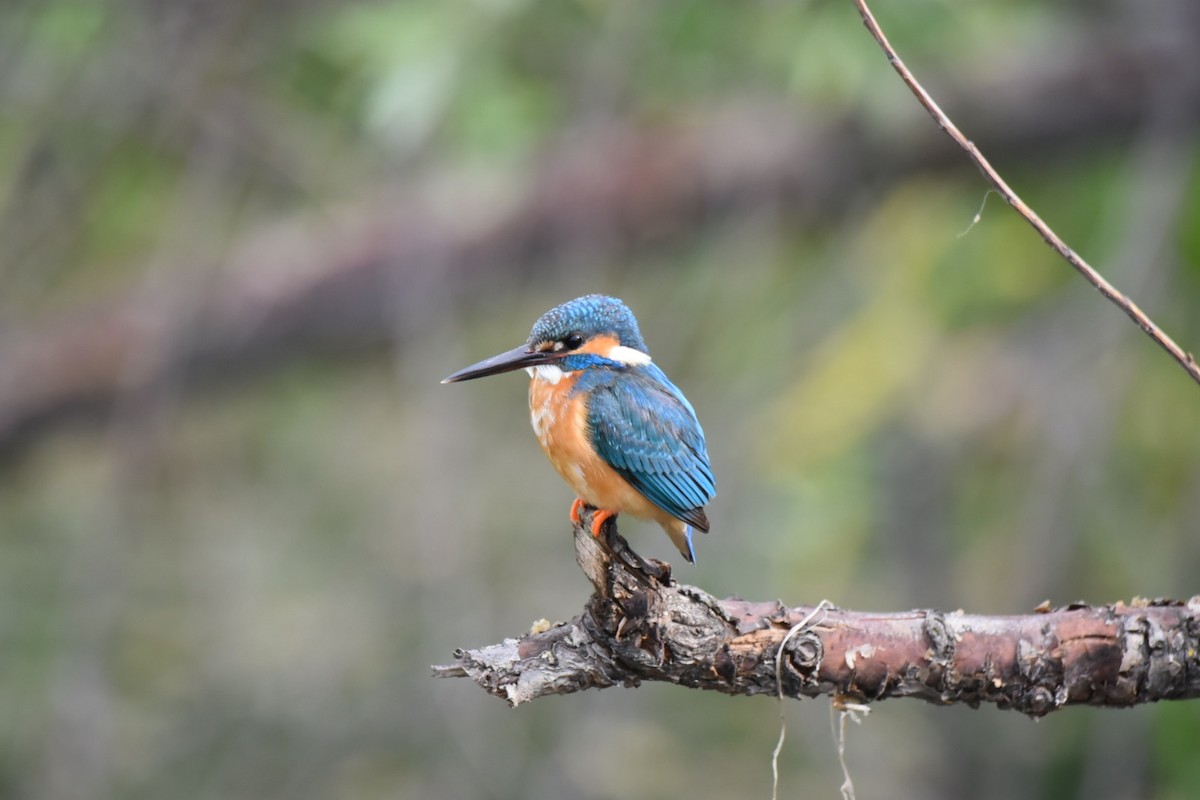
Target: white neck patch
{"points": [[628, 356], [550, 373]]}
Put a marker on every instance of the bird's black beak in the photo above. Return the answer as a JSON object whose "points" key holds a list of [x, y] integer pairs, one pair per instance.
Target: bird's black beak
{"points": [[517, 358]]}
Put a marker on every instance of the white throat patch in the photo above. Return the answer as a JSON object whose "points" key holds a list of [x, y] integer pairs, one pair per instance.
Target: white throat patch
{"points": [[550, 373]]}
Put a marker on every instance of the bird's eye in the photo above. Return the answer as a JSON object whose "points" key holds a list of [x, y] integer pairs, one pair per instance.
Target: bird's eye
{"points": [[573, 341]]}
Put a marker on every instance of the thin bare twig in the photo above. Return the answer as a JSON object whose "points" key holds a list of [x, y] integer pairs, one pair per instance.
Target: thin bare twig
{"points": [[1185, 359]]}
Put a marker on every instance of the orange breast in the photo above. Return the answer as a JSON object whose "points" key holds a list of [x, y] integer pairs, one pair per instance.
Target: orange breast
{"points": [[560, 422]]}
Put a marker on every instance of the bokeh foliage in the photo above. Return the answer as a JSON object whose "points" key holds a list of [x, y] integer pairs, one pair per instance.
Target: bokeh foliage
{"points": [[233, 586]]}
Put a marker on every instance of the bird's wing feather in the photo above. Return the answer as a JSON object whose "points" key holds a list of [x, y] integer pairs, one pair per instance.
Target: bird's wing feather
{"points": [[644, 428]]}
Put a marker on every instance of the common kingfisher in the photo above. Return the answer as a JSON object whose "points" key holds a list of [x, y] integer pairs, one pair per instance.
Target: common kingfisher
{"points": [[614, 427]]}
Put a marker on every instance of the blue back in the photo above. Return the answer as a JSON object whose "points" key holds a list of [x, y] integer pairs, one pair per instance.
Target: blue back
{"points": [[645, 429]]}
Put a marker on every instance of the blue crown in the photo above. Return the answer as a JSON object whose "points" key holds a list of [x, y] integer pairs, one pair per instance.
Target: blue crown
{"points": [[589, 315]]}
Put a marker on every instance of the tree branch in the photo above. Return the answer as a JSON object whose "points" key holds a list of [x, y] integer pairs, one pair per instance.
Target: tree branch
{"points": [[641, 625], [1122, 301]]}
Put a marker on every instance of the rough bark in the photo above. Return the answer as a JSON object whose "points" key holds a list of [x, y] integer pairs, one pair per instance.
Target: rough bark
{"points": [[641, 625]]}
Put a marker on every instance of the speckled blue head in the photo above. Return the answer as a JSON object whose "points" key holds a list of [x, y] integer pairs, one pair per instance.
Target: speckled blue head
{"points": [[588, 316], [560, 338]]}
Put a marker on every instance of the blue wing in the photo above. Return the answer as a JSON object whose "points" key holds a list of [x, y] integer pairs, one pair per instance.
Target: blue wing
{"points": [[645, 429]]}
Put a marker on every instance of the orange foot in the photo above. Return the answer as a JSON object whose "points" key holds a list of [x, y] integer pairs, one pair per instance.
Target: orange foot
{"points": [[598, 519], [576, 507]]}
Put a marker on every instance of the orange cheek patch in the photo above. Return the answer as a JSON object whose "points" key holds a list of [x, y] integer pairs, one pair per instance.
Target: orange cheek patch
{"points": [[600, 345]]}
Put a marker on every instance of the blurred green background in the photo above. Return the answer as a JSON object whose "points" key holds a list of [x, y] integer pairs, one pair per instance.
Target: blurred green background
{"points": [[241, 243]]}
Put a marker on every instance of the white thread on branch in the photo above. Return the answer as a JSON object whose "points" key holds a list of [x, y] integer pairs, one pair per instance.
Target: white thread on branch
{"points": [[978, 214], [799, 626]]}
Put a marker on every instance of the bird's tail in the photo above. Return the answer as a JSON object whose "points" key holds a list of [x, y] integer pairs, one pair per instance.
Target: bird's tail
{"points": [[681, 536]]}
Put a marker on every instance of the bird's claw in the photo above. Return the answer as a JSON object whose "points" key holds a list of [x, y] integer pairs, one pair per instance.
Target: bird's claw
{"points": [[598, 519]]}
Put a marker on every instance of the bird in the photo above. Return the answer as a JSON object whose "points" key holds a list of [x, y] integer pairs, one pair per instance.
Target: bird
{"points": [[616, 429]]}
